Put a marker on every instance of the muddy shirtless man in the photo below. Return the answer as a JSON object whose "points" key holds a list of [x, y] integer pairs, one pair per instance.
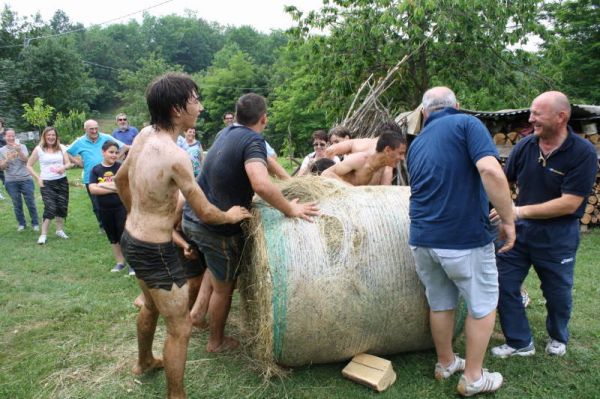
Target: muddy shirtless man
{"points": [[371, 168], [149, 182]]}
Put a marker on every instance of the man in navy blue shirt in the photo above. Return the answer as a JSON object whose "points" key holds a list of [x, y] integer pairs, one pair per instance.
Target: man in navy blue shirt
{"points": [[124, 132], [453, 169], [554, 170], [234, 169]]}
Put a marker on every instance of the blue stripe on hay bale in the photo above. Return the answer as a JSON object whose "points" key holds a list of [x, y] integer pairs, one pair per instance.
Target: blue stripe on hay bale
{"points": [[274, 236]]}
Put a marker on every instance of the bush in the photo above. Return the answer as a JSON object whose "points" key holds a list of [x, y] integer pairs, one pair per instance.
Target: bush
{"points": [[69, 127]]}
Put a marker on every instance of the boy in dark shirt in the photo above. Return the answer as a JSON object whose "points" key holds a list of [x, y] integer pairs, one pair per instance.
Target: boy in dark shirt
{"points": [[111, 210]]}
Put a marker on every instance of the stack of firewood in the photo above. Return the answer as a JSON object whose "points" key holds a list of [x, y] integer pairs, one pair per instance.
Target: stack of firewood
{"points": [[591, 216], [510, 138]]}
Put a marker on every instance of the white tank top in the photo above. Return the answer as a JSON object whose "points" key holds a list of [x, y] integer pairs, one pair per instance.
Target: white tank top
{"points": [[49, 161]]}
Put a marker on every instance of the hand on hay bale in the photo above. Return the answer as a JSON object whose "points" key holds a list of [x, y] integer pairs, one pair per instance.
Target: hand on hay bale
{"points": [[303, 210], [236, 214]]}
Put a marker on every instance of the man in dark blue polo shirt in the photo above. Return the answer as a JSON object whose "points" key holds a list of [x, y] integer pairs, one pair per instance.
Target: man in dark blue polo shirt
{"points": [[554, 170], [234, 169]]}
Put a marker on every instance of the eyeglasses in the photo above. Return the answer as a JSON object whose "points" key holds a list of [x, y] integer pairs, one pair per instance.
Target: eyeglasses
{"points": [[319, 145], [229, 118], [122, 119], [195, 99]]}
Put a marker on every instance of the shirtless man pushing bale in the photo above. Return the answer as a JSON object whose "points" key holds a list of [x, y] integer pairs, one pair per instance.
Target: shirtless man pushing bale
{"points": [[149, 182]]}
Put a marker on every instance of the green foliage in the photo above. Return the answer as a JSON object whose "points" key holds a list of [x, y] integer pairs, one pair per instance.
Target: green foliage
{"points": [[311, 73], [187, 41], [462, 44], [108, 50], [134, 84], [69, 126], [39, 114], [296, 109], [571, 53], [52, 69], [232, 73]]}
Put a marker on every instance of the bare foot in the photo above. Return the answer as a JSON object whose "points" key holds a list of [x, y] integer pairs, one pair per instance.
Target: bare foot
{"points": [[228, 344], [139, 301], [154, 364]]}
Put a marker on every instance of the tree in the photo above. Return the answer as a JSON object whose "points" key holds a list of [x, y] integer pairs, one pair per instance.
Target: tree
{"points": [[52, 69], [39, 114], [135, 83], [232, 73], [69, 126], [295, 108], [462, 44], [571, 53], [187, 41]]}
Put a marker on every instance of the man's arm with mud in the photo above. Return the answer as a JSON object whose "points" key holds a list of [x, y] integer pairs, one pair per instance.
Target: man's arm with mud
{"points": [[207, 212]]}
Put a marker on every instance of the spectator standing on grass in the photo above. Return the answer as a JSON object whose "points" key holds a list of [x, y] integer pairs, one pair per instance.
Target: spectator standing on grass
{"points": [[192, 146], [2, 144], [54, 186], [18, 181], [453, 170], [149, 182], [554, 171], [89, 148], [111, 210], [124, 133], [234, 169]]}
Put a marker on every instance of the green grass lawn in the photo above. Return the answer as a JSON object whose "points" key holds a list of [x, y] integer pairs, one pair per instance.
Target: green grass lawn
{"points": [[67, 330]]}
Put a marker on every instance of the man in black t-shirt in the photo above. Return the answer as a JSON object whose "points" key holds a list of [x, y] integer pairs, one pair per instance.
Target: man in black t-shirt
{"points": [[234, 169]]}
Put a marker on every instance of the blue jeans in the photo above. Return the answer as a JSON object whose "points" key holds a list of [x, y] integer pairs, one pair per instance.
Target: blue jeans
{"points": [[24, 188], [551, 249]]}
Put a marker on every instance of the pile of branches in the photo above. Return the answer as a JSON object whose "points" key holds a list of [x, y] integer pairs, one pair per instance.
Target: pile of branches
{"points": [[364, 119]]}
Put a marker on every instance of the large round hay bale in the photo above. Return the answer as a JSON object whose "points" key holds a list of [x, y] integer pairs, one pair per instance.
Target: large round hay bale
{"points": [[324, 291]]}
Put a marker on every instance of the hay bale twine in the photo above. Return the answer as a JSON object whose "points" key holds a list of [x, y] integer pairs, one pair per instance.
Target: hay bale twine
{"points": [[322, 292]]}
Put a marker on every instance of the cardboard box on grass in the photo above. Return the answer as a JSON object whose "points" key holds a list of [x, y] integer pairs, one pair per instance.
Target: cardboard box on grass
{"points": [[369, 370]]}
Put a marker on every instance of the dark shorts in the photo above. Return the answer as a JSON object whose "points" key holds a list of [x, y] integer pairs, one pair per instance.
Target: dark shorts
{"points": [[113, 221], [191, 267], [55, 195], [222, 253], [155, 264]]}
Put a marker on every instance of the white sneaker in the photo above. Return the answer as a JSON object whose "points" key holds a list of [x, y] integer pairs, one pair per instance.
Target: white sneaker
{"points": [[504, 351], [21, 228], [489, 382], [36, 228], [1, 197], [555, 348], [441, 372], [42, 239], [62, 234]]}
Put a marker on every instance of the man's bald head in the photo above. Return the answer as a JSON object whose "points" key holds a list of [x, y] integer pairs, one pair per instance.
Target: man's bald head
{"points": [[91, 129], [556, 100], [549, 114], [437, 98], [89, 123]]}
